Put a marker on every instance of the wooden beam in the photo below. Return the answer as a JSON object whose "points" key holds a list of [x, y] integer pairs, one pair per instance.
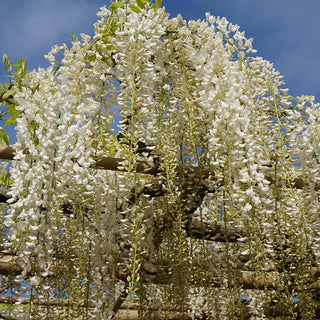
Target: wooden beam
{"points": [[9, 265], [247, 279], [107, 163], [195, 228], [155, 168], [128, 311], [6, 152], [116, 164], [198, 229]]}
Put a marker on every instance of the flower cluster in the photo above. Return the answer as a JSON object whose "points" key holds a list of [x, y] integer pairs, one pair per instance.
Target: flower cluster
{"points": [[178, 95]]}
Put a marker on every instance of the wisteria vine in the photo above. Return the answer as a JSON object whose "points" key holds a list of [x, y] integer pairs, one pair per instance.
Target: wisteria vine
{"points": [[180, 95]]}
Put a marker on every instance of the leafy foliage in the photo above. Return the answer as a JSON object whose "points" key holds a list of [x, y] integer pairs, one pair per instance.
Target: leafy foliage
{"points": [[7, 102]]}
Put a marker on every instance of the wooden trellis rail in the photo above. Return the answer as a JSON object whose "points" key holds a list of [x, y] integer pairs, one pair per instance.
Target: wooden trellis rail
{"points": [[109, 163]]}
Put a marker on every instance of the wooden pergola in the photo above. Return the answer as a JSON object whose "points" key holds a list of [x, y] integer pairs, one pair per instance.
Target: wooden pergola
{"points": [[248, 278]]}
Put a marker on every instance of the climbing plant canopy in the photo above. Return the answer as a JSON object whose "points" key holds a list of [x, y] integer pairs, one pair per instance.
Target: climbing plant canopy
{"points": [[211, 209]]}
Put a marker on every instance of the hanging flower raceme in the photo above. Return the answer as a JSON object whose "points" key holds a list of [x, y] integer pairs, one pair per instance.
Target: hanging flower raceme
{"points": [[190, 99]]}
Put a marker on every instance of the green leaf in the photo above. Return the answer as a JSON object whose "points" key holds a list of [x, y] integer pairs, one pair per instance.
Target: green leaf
{"points": [[116, 5], [4, 139], [158, 3], [140, 4], [6, 61], [92, 58], [36, 87], [14, 115], [13, 111], [73, 37], [10, 122], [105, 60], [5, 179], [113, 27], [21, 67], [11, 102], [8, 93], [110, 25], [134, 8], [112, 148], [5, 58], [111, 47]]}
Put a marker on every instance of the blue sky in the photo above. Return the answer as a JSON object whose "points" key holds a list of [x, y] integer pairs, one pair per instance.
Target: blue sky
{"points": [[285, 32]]}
